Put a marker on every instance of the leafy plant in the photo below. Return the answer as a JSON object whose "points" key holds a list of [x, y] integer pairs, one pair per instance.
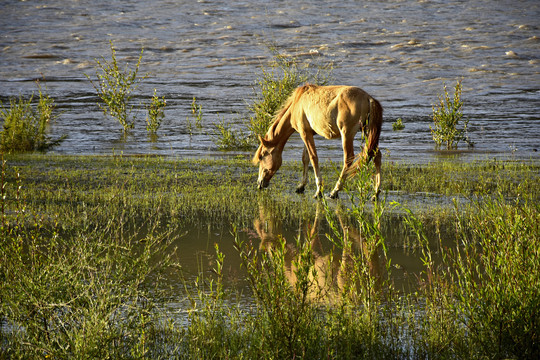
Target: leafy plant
{"points": [[271, 89], [398, 125], [275, 85], [196, 111], [25, 125], [446, 120], [196, 116], [155, 113], [115, 87], [228, 138]]}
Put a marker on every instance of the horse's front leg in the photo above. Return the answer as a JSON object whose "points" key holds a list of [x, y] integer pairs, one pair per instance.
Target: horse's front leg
{"points": [[305, 162], [309, 143]]}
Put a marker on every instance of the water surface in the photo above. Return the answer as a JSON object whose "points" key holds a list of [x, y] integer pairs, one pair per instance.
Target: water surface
{"points": [[401, 52]]}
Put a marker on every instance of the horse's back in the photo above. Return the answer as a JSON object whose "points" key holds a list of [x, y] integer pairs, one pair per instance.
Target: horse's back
{"points": [[328, 109]]}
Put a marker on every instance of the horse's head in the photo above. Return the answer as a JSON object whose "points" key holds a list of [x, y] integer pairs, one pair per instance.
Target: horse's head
{"points": [[269, 159]]}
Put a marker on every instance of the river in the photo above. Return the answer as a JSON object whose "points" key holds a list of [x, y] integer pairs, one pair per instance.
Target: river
{"points": [[401, 52]]}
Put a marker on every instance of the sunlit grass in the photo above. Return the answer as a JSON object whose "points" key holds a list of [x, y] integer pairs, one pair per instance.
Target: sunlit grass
{"points": [[87, 252]]}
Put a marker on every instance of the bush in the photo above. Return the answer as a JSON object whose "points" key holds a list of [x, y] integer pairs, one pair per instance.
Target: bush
{"points": [[398, 125], [86, 293], [25, 125], [115, 88], [271, 89], [446, 120], [155, 113]]}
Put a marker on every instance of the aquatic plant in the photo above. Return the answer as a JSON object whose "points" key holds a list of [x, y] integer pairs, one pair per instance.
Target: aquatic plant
{"points": [[229, 138], [25, 124], [275, 84], [447, 118], [398, 125], [156, 113], [194, 120], [115, 87], [197, 113]]}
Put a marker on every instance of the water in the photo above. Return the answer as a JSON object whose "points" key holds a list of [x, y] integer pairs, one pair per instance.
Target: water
{"points": [[401, 52]]}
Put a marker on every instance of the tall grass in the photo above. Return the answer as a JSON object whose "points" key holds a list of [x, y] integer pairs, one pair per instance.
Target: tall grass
{"points": [[91, 291], [156, 113], [115, 87]]}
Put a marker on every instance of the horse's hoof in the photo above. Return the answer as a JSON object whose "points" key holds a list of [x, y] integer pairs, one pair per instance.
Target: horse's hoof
{"points": [[300, 189], [318, 195], [333, 195]]}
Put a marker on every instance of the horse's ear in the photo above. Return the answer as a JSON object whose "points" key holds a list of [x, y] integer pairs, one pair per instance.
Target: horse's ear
{"points": [[264, 142], [255, 159]]}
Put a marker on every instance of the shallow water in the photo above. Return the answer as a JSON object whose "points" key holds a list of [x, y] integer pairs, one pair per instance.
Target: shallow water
{"points": [[401, 52]]}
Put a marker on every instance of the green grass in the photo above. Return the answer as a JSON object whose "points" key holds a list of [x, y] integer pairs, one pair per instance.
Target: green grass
{"points": [[87, 262]]}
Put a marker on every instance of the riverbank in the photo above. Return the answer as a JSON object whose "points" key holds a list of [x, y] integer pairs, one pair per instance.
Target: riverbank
{"points": [[154, 256]]}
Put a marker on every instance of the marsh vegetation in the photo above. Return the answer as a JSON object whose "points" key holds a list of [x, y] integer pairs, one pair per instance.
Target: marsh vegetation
{"points": [[132, 257]]}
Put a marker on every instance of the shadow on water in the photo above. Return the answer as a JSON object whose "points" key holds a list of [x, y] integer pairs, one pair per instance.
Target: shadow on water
{"points": [[338, 250], [333, 259]]}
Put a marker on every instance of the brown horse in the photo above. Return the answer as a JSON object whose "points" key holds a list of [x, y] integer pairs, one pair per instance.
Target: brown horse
{"points": [[332, 112]]}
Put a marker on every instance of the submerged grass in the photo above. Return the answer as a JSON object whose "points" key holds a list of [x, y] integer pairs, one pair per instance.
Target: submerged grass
{"points": [[87, 241]]}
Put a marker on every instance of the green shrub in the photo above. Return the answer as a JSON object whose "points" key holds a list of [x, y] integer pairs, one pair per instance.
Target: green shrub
{"points": [[271, 89], [115, 88], [447, 117], [398, 125], [90, 292], [229, 138], [25, 125], [155, 113]]}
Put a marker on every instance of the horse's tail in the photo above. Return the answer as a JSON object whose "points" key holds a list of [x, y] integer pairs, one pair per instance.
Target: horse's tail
{"points": [[374, 126]]}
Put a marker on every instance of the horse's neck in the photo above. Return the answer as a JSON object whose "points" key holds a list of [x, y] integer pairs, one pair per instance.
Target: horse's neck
{"points": [[280, 131]]}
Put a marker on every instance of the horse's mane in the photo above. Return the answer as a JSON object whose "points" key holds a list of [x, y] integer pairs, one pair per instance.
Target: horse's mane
{"points": [[288, 105]]}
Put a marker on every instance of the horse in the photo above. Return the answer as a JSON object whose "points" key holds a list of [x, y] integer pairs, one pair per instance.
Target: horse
{"points": [[330, 111]]}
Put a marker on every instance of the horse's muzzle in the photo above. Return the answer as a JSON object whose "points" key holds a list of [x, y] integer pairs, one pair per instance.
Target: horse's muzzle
{"points": [[263, 184]]}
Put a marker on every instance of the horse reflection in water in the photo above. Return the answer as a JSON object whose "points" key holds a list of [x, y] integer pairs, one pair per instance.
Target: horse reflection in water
{"points": [[336, 270]]}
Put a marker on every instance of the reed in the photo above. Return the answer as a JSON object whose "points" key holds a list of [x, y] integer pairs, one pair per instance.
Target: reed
{"points": [[156, 113]]}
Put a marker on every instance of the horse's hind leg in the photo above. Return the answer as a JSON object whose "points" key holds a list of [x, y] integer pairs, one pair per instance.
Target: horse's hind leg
{"points": [[348, 157], [305, 161], [377, 160]]}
